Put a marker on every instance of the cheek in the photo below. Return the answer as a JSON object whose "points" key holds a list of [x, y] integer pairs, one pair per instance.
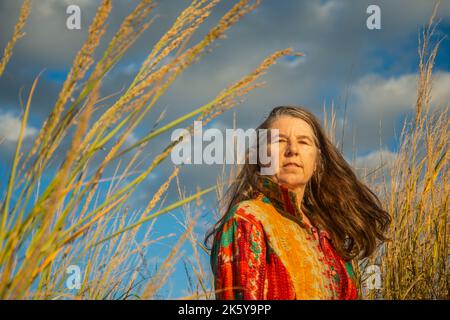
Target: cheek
{"points": [[309, 159]]}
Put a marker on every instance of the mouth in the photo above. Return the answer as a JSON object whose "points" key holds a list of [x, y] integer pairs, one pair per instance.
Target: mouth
{"points": [[292, 164]]}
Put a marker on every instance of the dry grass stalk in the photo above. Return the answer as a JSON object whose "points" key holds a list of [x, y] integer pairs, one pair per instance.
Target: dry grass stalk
{"points": [[18, 33], [71, 221]]}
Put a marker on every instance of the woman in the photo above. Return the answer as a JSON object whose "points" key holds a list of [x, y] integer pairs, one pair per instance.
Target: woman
{"points": [[292, 235]]}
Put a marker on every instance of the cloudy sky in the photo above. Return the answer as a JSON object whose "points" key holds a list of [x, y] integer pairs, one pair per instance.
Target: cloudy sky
{"points": [[372, 72]]}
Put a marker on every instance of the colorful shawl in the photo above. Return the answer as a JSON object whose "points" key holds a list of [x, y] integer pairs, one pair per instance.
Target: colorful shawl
{"points": [[264, 250]]}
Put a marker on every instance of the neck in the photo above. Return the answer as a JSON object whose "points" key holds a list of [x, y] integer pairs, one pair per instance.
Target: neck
{"points": [[300, 191]]}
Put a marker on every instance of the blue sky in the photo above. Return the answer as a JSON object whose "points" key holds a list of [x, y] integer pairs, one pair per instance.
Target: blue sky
{"points": [[373, 71]]}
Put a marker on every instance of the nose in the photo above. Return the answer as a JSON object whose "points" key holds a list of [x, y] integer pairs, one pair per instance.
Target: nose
{"points": [[292, 149]]}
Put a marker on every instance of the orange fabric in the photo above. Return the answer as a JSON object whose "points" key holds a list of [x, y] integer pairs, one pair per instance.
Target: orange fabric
{"points": [[265, 251]]}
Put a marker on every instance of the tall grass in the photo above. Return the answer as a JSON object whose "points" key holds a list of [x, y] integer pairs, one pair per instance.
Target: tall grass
{"points": [[414, 189], [72, 220], [415, 263]]}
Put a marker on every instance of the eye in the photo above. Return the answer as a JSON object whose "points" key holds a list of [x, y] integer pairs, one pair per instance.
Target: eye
{"points": [[280, 140]]}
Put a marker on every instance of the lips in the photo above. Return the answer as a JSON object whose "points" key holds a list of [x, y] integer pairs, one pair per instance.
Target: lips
{"points": [[292, 164]]}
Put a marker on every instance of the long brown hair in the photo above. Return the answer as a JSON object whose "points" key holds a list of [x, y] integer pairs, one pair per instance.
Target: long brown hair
{"points": [[334, 200]]}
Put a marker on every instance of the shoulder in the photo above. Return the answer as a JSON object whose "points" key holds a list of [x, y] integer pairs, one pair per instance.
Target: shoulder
{"points": [[242, 218], [241, 226], [246, 211]]}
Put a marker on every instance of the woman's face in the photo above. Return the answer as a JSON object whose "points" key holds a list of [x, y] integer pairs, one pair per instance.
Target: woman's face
{"points": [[297, 151]]}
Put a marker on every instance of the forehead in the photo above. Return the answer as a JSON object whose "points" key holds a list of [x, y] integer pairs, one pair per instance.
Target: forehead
{"points": [[288, 125]]}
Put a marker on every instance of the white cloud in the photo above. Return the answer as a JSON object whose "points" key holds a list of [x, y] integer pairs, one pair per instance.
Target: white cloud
{"points": [[378, 104], [10, 129], [376, 159], [441, 89], [374, 94]]}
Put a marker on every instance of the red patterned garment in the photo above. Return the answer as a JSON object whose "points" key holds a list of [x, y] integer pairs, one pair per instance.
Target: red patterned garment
{"points": [[264, 251]]}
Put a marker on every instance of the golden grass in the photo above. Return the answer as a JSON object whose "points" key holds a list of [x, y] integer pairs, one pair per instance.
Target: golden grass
{"points": [[414, 189], [414, 263], [17, 34], [72, 221]]}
